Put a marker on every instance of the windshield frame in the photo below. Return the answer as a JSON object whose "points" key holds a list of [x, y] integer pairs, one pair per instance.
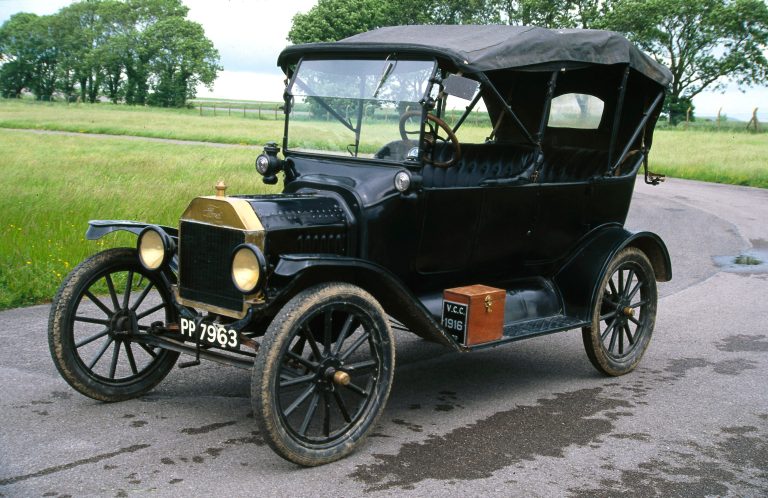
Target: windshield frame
{"points": [[384, 58]]}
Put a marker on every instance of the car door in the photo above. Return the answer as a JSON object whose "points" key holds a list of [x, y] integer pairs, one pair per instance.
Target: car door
{"points": [[505, 230], [449, 219]]}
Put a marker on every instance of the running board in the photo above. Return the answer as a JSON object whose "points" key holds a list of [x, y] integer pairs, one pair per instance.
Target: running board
{"points": [[531, 328]]}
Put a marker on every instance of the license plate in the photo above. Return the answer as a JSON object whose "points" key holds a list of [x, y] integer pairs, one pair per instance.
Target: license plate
{"points": [[210, 333], [455, 320]]}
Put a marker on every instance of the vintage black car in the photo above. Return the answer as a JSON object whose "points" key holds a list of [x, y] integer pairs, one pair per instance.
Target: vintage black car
{"points": [[466, 183]]}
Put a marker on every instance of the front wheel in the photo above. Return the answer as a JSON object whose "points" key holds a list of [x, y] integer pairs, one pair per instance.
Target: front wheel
{"points": [[323, 374], [98, 317], [624, 314]]}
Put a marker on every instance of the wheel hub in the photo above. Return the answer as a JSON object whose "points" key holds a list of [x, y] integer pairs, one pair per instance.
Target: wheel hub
{"points": [[329, 374], [341, 378], [123, 323]]}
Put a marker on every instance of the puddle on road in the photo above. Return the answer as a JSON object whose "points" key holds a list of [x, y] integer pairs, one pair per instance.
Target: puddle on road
{"points": [[548, 428], [754, 260]]}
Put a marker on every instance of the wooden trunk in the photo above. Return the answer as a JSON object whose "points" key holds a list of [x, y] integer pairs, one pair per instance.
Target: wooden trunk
{"points": [[474, 314]]}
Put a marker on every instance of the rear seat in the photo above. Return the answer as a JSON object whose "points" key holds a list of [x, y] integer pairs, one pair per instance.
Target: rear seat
{"points": [[572, 164], [482, 164]]}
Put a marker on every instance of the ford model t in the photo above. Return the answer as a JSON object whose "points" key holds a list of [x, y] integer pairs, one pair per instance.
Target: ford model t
{"points": [[468, 184]]}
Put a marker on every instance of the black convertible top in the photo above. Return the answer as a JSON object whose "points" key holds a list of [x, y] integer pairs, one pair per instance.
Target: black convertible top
{"points": [[476, 48]]}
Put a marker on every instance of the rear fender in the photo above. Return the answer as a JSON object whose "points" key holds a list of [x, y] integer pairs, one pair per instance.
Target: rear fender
{"points": [[579, 278], [296, 272]]}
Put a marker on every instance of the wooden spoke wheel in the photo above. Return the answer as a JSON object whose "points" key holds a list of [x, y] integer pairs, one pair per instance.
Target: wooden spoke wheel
{"points": [[98, 317], [624, 314], [323, 373]]}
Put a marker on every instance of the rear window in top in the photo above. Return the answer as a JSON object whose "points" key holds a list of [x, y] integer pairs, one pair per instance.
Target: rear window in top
{"points": [[576, 110]]}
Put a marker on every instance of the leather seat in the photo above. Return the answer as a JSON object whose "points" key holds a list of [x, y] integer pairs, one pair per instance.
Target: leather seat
{"points": [[571, 164], [478, 162], [481, 162]]}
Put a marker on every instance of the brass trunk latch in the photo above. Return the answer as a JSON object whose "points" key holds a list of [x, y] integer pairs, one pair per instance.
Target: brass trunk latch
{"points": [[488, 304]]}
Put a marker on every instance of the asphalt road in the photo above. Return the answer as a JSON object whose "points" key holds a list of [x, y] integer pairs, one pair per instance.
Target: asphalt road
{"points": [[528, 419]]}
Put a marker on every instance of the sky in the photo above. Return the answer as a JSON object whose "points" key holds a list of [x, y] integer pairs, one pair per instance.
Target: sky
{"points": [[250, 34]]}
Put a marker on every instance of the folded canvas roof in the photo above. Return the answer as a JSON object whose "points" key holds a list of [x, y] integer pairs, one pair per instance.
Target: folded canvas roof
{"points": [[482, 48]]}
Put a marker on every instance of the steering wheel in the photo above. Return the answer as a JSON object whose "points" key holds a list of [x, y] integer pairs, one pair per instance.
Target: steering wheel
{"points": [[432, 137]]}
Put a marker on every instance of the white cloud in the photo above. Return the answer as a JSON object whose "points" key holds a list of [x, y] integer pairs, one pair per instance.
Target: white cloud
{"points": [[249, 34], [735, 104], [246, 85], [40, 7]]}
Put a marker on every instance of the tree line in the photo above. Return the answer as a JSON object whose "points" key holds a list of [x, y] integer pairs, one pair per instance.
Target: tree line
{"points": [[705, 43], [134, 51]]}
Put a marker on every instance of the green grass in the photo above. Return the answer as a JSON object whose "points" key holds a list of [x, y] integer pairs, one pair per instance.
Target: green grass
{"points": [[726, 156], [721, 157], [182, 124], [55, 184]]}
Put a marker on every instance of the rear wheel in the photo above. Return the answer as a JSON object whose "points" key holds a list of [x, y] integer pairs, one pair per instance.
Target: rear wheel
{"points": [[624, 314], [323, 374], [98, 317]]}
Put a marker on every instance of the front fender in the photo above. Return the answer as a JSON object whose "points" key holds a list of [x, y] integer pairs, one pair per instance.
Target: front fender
{"points": [[99, 228], [296, 272], [579, 278]]}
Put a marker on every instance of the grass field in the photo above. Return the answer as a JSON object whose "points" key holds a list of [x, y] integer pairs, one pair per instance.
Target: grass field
{"points": [[184, 124], [55, 184], [726, 156], [721, 157]]}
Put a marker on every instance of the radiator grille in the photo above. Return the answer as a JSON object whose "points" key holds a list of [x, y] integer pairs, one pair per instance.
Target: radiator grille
{"points": [[204, 264]]}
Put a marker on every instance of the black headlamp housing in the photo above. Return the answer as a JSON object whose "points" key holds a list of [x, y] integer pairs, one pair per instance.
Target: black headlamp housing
{"points": [[268, 164]]}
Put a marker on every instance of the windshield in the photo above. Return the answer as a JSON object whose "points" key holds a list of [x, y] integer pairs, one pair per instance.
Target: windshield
{"points": [[354, 107]]}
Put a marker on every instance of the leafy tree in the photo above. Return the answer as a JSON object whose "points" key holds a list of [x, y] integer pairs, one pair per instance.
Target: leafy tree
{"points": [[42, 39], [464, 12], [31, 56], [332, 20], [586, 14], [18, 56], [138, 16], [112, 47], [553, 13], [543, 13], [122, 47], [705, 43], [80, 34], [182, 58]]}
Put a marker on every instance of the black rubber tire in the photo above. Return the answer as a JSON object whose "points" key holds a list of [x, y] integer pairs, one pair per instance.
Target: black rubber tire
{"points": [[63, 327], [614, 297], [293, 325]]}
